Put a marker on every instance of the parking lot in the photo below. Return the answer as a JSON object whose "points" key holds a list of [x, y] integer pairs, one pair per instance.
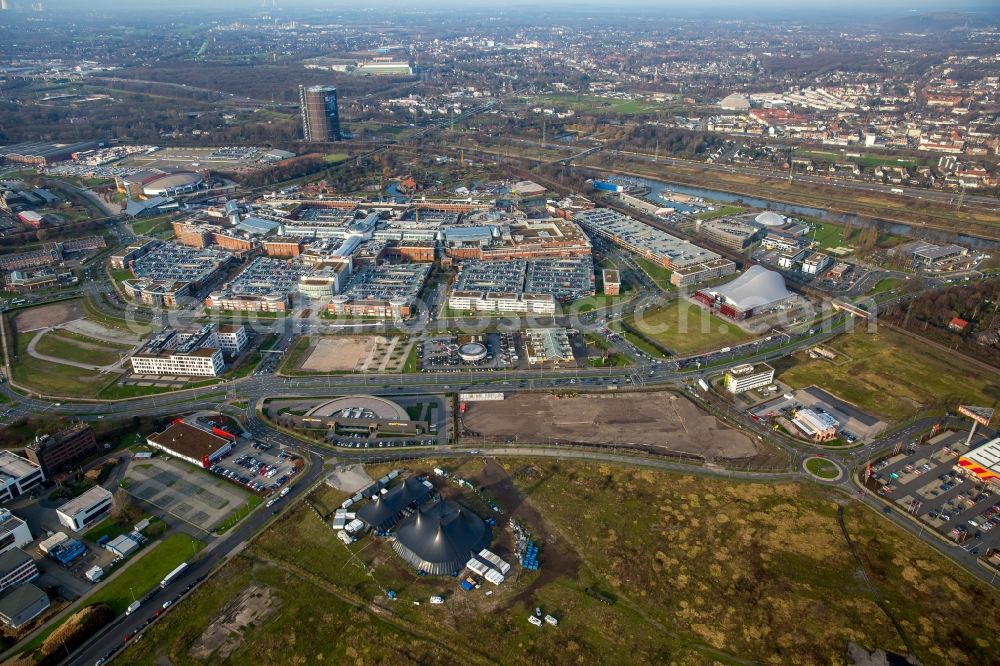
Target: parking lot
{"points": [[258, 467], [184, 491], [855, 425], [442, 354], [920, 480]]}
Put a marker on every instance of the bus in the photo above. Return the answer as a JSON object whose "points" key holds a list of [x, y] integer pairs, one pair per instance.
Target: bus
{"points": [[173, 575]]}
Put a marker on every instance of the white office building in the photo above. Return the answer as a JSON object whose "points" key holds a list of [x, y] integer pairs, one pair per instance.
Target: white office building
{"points": [[17, 475], [86, 509], [231, 338], [201, 362], [748, 376], [502, 302], [14, 532]]}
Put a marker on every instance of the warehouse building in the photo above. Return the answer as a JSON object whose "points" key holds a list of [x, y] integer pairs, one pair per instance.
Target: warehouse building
{"points": [[122, 545], [17, 475], [748, 376], [14, 532], [815, 425], [441, 538], [16, 568], [982, 463], [196, 446], [388, 507], [22, 605], [56, 453], [86, 509]]}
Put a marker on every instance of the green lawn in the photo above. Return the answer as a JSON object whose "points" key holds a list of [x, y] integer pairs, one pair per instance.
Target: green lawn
{"points": [[55, 378], [656, 272], [884, 285], [335, 157], [596, 103], [412, 363], [685, 328], [253, 501], [147, 573], [63, 344], [595, 302], [824, 469], [613, 360], [829, 235], [892, 376], [722, 211]]}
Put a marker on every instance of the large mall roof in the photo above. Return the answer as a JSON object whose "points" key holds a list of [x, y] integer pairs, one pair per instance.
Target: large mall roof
{"points": [[756, 288]]}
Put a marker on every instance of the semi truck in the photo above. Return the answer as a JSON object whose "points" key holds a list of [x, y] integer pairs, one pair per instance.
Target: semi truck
{"points": [[173, 575]]}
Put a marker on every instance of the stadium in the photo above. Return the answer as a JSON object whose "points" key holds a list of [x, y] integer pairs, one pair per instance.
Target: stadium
{"points": [[758, 290], [441, 538]]}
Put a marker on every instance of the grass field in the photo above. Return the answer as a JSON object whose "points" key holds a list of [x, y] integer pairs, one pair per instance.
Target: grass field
{"points": [[685, 328], [892, 376], [722, 211], [148, 572], [884, 285], [73, 347], [824, 469], [657, 273], [55, 378], [665, 548], [150, 225]]}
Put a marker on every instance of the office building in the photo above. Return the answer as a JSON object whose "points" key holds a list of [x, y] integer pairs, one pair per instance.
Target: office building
{"points": [[17, 475], [16, 568], [320, 117], [85, 509], [58, 452], [198, 353], [14, 532], [748, 376]]}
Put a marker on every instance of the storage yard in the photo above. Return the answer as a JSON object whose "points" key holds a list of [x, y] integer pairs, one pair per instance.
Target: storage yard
{"points": [[663, 422]]}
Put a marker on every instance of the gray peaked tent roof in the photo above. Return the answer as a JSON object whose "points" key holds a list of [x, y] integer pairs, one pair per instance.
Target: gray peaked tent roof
{"points": [[382, 512], [441, 538]]}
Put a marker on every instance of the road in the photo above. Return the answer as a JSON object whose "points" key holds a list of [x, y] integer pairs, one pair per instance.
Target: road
{"points": [[113, 636]]}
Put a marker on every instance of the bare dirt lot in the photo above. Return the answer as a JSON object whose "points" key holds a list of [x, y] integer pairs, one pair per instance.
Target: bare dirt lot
{"points": [[225, 634], [342, 353], [48, 315], [662, 421]]}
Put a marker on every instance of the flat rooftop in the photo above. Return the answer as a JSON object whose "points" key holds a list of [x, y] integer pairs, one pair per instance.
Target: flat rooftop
{"points": [[13, 466], [188, 441], [85, 501]]}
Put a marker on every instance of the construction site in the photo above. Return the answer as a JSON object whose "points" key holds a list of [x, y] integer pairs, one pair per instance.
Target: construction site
{"points": [[661, 422]]}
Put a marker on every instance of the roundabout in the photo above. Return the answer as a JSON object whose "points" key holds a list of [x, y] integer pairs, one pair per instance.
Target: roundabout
{"points": [[822, 469]]}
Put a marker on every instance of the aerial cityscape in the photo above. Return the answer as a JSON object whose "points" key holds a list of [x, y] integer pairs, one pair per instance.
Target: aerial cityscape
{"points": [[503, 333]]}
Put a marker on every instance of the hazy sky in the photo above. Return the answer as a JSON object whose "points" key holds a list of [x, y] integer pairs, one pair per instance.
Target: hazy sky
{"points": [[748, 7]]}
